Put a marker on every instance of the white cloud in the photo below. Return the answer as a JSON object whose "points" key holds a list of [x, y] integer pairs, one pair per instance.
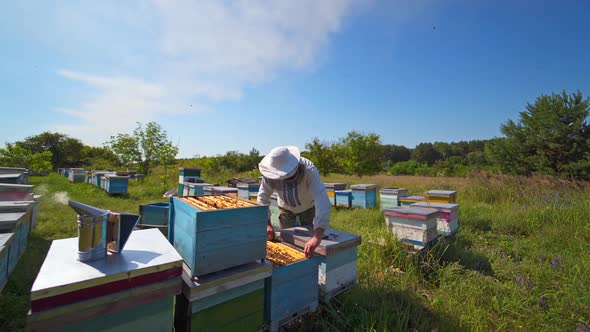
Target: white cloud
{"points": [[193, 52]]}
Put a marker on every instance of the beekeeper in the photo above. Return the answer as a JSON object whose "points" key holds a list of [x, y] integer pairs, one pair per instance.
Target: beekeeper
{"points": [[301, 193]]}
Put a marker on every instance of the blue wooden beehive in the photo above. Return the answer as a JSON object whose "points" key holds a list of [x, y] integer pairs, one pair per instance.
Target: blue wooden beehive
{"points": [[155, 215], [212, 239], [6, 242], [331, 190], [245, 189], [229, 300], [344, 198], [292, 289], [364, 195], [115, 184], [196, 189], [17, 223], [338, 258]]}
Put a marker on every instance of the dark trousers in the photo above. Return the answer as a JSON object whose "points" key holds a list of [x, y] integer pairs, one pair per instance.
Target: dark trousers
{"points": [[287, 218]]}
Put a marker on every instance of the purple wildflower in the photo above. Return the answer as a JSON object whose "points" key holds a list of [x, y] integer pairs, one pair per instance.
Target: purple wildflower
{"points": [[554, 262], [544, 304], [582, 327]]}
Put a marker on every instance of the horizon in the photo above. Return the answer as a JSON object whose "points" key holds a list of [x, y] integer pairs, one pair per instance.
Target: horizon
{"points": [[222, 76]]}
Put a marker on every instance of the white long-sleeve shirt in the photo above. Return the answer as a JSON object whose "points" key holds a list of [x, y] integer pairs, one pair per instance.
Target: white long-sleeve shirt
{"points": [[300, 196]]}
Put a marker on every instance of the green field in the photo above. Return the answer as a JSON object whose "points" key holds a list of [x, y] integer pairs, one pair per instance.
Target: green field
{"points": [[521, 259]]}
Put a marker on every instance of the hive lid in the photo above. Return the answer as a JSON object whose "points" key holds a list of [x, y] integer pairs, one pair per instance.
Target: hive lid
{"points": [[413, 198], [8, 205], [434, 205], [6, 238], [363, 186], [334, 240], [11, 216], [10, 175], [443, 193], [343, 192], [335, 185], [393, 190], [408, 212], [147, 253]]}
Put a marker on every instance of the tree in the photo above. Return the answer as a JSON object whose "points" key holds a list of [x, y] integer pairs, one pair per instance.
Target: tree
{"points": [[323, 155], [66, 151], [552, 137], [15, 155], [361, 153], [143, 147], [426, 153], [395, 153]]}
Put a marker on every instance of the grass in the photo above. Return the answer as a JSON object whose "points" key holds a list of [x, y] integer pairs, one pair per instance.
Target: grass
{"points": [[520, 260]]}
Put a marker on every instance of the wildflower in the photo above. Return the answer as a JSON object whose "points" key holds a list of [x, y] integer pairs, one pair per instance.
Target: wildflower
{"points": [[554, 262], [582, 327], [544, 304], [518, 279]]}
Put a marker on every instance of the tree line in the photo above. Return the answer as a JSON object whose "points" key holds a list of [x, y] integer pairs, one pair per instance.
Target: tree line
{"points": [[551, 137]]}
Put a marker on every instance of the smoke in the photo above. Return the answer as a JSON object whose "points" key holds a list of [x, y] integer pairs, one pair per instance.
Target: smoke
{"points": [[61, 197], [41, 189]]}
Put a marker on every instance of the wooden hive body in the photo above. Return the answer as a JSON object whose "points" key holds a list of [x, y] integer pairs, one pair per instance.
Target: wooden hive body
{"points": [[155, 215], [344, 198], [447, 222], [245, 189], [229, 300], [17, 223], [211, 241], [390, 197], [291, 291], [115, 184], [409, 200], [16, 192], [6, 244], [337, 251], [364, 195], [415, 226]]}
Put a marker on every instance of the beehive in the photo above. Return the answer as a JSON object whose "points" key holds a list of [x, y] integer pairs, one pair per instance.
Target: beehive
{"points": [[213, 233], [27, 207], [196, 189], [447, 222], [331, 190], [390, 197], [155, 215], [77, 175], [292, 290], [96, 176], [221, 190], [441, 196], [338, 258], [14, 175], [229, 300], [364, 195], [16, 192], [414, 226], [115, 184], [344, 198], [186, 174], [17, 223], [409, 200], [130, 291], [6, 242], [245, 189]]}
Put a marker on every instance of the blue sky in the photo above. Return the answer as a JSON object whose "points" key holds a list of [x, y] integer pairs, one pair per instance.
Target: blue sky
{"points": [[232, 75]]}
